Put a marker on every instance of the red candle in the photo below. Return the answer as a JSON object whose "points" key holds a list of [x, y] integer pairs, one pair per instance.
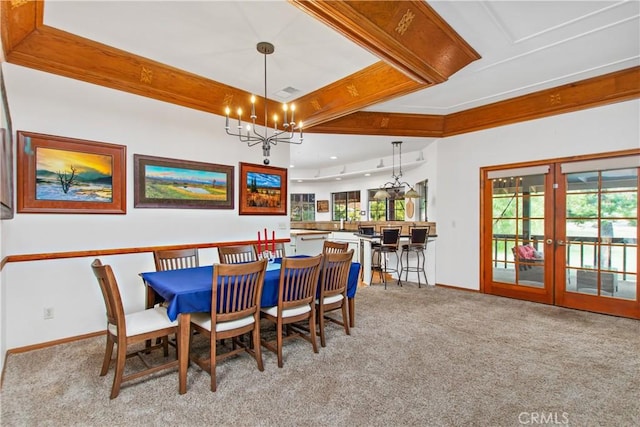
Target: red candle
{"points": [[259, 241], [266, 240], [273, 239]]}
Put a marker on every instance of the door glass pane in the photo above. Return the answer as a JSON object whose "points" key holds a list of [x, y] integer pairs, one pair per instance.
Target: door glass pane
{"points": [[518, 230], [602, 233]]}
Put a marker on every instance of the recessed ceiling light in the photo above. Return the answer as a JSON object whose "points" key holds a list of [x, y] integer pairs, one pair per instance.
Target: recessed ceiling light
{"points": [[338, 179], [367, 174], [333, 157], [291, 166], [299, 180]]}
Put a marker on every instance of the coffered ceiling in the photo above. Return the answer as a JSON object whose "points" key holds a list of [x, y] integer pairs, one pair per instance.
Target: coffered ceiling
{"points": [[408, 69]]}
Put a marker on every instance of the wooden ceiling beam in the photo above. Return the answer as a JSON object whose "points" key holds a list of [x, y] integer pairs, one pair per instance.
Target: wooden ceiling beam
{"points": [[408, 35], [391, 124]]}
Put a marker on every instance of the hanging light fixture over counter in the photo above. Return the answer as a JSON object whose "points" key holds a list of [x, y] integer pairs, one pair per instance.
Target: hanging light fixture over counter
{"points": [[268, 137], [392, 189]]}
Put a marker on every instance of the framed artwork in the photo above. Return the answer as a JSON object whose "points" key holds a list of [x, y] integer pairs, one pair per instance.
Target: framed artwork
{"points": [[181, 184], [65, 175], [6, 157], [323, 206], [263, 190], [6, 180]]}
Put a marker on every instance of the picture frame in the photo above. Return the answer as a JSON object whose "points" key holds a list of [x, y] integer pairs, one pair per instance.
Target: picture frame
{"points": [[6, 157], [6, 180], [263, 190], [322, 206], [161, 182], [57, 174]]}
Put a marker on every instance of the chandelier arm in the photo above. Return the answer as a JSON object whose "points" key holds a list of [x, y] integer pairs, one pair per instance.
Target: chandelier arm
{"points": [[265, 97]]}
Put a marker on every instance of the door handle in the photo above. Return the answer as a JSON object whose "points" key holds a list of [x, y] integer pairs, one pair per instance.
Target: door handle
{"points": [[549, 241], [560, 242]]}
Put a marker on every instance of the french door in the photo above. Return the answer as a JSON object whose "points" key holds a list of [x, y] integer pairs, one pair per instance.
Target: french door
{"points": [[564, 233]]}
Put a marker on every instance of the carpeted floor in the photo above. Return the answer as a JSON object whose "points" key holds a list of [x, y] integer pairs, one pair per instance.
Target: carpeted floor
{"points": [[431, 357]]}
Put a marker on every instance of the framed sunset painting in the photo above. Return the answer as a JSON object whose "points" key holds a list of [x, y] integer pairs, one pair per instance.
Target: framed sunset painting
{"points": [[182, 184], [65, 175], [263, 190]]}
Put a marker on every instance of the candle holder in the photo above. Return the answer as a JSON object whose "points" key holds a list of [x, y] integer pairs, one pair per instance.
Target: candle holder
{"points": [[268, 255]]}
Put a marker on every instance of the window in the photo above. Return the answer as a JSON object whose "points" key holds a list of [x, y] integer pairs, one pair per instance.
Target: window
{"points": [[346, 205], [422, 188], [387, 209], [303, 207]]}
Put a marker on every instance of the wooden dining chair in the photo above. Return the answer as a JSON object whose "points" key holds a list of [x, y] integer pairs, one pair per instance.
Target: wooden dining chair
{"points": [[280, 251], [235, 310], [329, 247], [296, 302], [237, 254], [124, 330], [334, 276], [174, 259]]}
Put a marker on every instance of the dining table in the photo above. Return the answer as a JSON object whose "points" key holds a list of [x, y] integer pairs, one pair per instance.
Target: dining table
{"points": [[188, 290]]}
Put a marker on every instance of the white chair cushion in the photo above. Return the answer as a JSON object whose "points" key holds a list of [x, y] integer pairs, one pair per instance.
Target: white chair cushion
{"points": [[289, 312], [204, 320], [145, 321], [331, 299]]}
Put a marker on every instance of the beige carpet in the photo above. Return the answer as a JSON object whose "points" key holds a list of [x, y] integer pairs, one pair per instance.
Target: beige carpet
{"points": [[430, 357]]}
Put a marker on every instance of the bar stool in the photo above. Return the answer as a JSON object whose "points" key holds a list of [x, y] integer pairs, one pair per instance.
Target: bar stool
{"points": [[417, 244], [389, 244]]}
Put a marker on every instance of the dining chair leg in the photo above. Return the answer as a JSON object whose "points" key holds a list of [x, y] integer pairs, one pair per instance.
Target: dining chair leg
{"points": [[312, 330], [345, 318], [108, 352], [257, 348], [279, 333], [117, 378], [212, 362], [321, 326]]}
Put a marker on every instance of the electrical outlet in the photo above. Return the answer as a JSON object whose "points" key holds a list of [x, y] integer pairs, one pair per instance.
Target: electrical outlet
{"points": [[48, 313]]}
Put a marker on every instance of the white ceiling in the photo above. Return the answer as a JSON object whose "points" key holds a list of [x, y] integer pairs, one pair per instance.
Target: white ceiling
{"points": [[526, 46]]}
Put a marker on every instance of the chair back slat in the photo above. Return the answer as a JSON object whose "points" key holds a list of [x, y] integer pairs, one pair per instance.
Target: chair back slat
{"points": [[330, 247], [335, 274], [298, 281], [237, 254], [237, 291], [176, 259], [111, 294]]}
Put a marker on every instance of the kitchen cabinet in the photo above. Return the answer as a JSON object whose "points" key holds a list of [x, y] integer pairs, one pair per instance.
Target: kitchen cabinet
{"points": [[307, 242]]}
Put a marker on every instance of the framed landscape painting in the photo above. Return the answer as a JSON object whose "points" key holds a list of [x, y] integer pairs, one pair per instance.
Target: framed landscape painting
{"points": [[263, 190], [65, 175], [181, 184]]}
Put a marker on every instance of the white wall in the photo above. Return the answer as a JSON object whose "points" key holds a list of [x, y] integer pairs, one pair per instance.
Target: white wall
{"points": [[610, 128], [49, 104]]}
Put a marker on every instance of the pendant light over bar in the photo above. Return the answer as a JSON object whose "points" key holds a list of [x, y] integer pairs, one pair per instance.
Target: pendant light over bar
{"points": [[392, 189]]}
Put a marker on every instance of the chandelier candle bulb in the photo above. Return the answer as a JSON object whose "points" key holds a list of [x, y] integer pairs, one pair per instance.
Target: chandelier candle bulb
{"points": [[253, 107], [293, 110], [239, 118]]}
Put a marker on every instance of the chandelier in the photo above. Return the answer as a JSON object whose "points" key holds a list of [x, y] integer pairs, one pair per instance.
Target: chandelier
{"points": [[392, 189], [268, 137]]}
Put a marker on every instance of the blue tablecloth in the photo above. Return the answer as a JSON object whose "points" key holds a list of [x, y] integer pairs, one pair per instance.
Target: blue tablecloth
{"points": [[188, 290]]}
